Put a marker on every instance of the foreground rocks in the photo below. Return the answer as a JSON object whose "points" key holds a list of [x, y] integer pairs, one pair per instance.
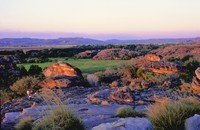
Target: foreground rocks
{"points": [[126, 124], [61, 75], [193, 123]]}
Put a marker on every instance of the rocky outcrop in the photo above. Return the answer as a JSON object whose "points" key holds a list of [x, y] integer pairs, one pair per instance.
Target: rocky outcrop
{"points": [[179, 51], [61, 75], [113, 54], [160, 67], [164, 67], [126, 124], [123, 95], [196, 82], [193, 123], [86, 54], [152, 57]]}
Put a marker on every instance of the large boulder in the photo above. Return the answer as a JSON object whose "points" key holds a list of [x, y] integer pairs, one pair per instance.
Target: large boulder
{"points": [[61, 75], [126, 124], [196, 82], [113, 54], [61, 69], [193, 123]]}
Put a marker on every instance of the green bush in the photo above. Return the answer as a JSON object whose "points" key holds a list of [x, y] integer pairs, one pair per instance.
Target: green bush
{"points": [[171, 115], [34, 70], [25, 124], [59, 119], [26, 83], [127, 111]]}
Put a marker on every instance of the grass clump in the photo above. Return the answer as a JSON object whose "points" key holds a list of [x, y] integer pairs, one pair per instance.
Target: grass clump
{"points": [[127, 111], [59, 119], [25, 124], [171, 115]]}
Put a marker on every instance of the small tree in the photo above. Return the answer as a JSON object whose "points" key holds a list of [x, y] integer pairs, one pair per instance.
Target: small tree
{"points": [[23, 70], [34, 70]]}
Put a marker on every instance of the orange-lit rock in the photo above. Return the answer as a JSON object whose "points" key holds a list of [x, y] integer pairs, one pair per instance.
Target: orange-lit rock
{"points": [[152, 57], [61, 69], [60, 75], [196, 82], [163, 67]]}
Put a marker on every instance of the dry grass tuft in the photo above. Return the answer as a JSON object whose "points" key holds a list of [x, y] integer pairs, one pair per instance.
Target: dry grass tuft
{"points": [[171, 115], [127, 111], [25, 124]]}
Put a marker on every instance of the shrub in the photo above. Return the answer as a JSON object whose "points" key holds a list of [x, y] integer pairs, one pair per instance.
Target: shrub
{"points": [[59, 119], [23, 70], [25, 124], [6, 95], [127, 111], [171, 115], [92, 79], [139, 72], [34, 70], [21, 86]]}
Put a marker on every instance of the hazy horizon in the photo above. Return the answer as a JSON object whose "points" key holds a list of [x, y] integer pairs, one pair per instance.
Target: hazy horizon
{"points": [[100, 19]]}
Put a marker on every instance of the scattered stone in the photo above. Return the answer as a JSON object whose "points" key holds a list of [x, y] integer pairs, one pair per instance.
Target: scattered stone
{"points": [[123, 95], [114, 84], [126, 124]]}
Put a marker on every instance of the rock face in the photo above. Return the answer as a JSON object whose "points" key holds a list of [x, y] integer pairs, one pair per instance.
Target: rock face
{"points": [[193, 123], [126, 124], [62, 75], [113, 54], [196, 82], [152, 57], [122, 95]]}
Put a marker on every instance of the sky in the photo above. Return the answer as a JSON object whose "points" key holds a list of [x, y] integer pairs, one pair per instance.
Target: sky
{"points": [[100, 19]]}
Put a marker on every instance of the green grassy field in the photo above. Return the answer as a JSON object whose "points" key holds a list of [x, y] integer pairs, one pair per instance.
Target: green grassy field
{"points": [[85, 65]]}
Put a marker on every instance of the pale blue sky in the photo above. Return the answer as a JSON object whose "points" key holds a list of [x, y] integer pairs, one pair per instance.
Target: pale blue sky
{"points": [[100, 18]]}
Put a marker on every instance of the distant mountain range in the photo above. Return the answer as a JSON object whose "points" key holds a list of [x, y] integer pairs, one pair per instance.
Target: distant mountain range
{"points": [[86, 41]]}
